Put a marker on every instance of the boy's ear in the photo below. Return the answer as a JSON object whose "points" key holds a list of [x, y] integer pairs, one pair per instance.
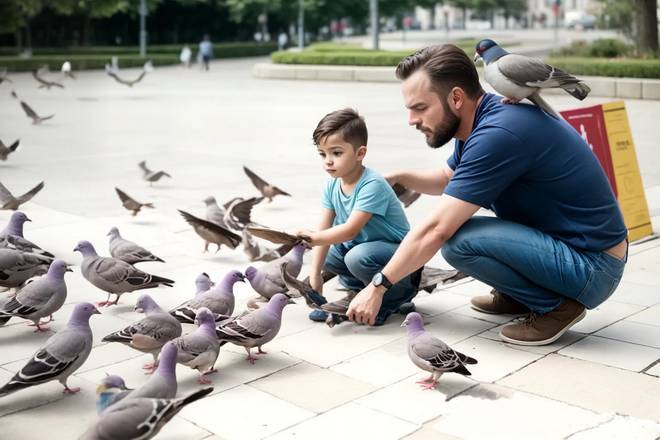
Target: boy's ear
{"points": [[361, 152]]}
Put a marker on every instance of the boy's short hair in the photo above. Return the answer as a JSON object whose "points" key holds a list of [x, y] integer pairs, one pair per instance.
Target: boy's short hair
{"points": [[345, 122]]}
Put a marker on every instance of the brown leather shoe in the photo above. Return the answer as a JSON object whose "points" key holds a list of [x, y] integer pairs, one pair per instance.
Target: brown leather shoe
{"points": [[544, 329], [497, 303]]}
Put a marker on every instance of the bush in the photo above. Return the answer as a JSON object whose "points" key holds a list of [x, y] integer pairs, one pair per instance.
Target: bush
{"points": [[602, 47], [81, 62], [619, 67], [341, 58]]}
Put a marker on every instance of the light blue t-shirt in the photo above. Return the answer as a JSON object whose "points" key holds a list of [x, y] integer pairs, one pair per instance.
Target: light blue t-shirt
{"points": [[372, 194]]}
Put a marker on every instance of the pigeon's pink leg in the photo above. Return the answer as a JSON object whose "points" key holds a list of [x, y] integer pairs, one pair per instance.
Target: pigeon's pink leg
{"points": [[149, 367], [260, 351], [104, 303], [68, 390], [510, 100], [429, 385], [206, 247], [249, 357], [425, 381], [203, 380], [39, 327], [50, 319]]}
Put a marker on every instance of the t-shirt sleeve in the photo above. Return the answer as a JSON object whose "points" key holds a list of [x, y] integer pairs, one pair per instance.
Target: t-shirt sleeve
{"points": [[326, 197], [491, 160], [372, 197], [453, 159]]}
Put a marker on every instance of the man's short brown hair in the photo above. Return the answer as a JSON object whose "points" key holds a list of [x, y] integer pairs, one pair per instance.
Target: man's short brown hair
{"points": [[345, 122], [447, 66]]}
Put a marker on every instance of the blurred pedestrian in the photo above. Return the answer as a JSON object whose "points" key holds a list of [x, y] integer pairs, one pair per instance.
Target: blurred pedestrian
{"points": [[206, 51], [186, 55], [282, 40]]}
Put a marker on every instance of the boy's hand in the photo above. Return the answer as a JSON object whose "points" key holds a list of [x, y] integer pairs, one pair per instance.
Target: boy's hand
{"points": [[365, 306], [316, 281], [306, 233]]}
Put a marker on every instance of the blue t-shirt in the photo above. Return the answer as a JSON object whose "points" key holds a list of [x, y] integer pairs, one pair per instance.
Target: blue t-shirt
{"points": [[533, 169], [372, 194]]}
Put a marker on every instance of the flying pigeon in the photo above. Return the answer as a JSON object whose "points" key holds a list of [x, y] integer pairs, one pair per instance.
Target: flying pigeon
{"points": [[3, 75], [62, 354], [5, 150], [237, 214], [258, 252], [431, 354], [110, 71], [127, 251], [151, 333], [17, 267], [130, 203], [115, 276], [36, 119], [312, 298], [38, 299], [8, 201], [266, 189], [406, 195], [211, 232], [200, 349], [67, 71], [214, 212], [110, 391], [275, 236], [149, 175], [12, 236], [219, 300], [517, 77], [44, 82], [255, 328], [267, 281], [140, 418]]}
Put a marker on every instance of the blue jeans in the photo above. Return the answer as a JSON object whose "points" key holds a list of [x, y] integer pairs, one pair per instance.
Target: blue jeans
{"points": [[532, 267], [356, 267]]}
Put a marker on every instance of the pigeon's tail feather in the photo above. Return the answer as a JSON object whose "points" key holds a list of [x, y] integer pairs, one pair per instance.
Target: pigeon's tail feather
{"points": [[161, 280], [466, 359], [12, 387], [194, 397], [184, 315], [543, 105], [579, 90], [460, 369], [4, 319], [148, 205]]}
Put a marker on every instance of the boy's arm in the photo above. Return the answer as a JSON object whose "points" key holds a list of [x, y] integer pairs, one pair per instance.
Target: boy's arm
{"points": [[320, 252], [427, 182], [340, 233]]}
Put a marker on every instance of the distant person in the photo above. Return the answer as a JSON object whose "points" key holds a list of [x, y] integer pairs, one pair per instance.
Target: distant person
{"points": [[186, 56], [206, 51], [282, 40]]}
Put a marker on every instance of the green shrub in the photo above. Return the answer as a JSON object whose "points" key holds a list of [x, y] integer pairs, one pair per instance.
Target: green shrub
{"points": [[600, 48], [618, 67], [342, 58], [81, 62]]}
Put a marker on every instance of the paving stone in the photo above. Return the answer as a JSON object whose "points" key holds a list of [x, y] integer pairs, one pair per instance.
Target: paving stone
{"points": [[611, 352], [590, 385], [621, 427], [633, 332], [605, 314], [634, 293]]}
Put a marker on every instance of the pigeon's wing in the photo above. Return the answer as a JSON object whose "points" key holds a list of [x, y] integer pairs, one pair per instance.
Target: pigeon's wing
{"points": [[231, 202], [14, 146], [531, 72], [124, 197], [437, 354], [256, 180], [28, 195], [245, 328], [197, 222], [274, 236], [160, 174], [15, 307], [405, 195], [150, 333], [191, 346], [312, 298], [241, 211], [28, 110], [5, 195], [139, 78]]}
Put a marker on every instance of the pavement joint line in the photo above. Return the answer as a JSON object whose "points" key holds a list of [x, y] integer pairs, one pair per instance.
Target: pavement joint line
{"points": [[653, 364], [590, 428]]}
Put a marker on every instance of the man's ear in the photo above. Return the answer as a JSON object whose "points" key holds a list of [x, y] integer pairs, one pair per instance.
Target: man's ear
{"points": [[361, 152], [456, 98]]}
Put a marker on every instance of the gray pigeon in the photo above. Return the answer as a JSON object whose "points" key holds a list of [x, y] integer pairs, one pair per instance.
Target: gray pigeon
{"points": [[431, 354], [267, 280], [256, 328], [12, 236], [127, 251], [219, 300], [149, 175], [3, 75], [43, 82], [214, 212], [200, 349], [151, 333], [162, 384], [17, 267], [8, 201], [238, 213], [266, 189], [139, 419], [5, 150], [62, 354], [258, 252], [517, 77], [115, 276], [110, 391], [30, 113], [130, 203], [211, 232], [38, 299]]}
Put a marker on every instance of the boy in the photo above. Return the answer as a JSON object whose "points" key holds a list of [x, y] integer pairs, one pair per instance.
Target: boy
{"points": [[362, 222]]}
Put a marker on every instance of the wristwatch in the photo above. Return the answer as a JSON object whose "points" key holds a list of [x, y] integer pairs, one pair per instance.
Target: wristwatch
{"points": [[381, 280]]}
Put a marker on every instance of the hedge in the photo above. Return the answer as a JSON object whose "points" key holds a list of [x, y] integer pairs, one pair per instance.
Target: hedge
{"points": [[618, 67], [81, 62], [234, 49]]}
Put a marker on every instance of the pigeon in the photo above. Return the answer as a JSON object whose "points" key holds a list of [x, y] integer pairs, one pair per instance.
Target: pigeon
{"points": [[127, 251], [67, 71], [200, 349], [12, 236], [8, 201], [127, 82], [203, 283], [406, 195], [17, 267], [110, 391], [258, 252], [151, 176], [256, 328], [61, 355], [162, 384], [312, 298], [431, 354], [267, 190], [115, 276], [211, 233], [130, 203], [517, 77], [151, 333], [40, 298], [214, 212], [44, 82], [267, 281], [36, 119], [237, 214], [275, 236], [5, 150], [219, 300], [140, 418], [3, 75]]}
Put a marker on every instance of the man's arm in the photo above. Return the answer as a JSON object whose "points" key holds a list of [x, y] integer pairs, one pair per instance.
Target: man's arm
{"points": [[431, 182], [419, 246]]}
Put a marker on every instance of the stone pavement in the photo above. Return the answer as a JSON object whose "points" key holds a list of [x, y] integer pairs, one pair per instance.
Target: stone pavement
{"points": [[598, 381]]}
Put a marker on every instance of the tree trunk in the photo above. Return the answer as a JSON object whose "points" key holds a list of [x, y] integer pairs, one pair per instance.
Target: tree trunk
{"points": [[432, 16], [86, 30], [28, 37], [647, 26], [464, 17], [18, 35]]}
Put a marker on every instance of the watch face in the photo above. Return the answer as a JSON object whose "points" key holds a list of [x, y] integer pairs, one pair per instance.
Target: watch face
{"points": [[377, 279]]}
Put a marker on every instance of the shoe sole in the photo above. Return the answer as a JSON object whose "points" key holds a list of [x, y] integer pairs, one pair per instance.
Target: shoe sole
{"points": [[490, 312], [546, 341]]}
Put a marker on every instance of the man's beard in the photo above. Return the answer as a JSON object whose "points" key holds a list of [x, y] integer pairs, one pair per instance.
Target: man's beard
{"points": [[445, 130]]}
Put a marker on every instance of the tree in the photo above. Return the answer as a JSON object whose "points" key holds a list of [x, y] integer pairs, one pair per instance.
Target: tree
{"points": [[88, 9], [646, 20], [16, 15], [430, 5], [463, 5], [616, 14]]}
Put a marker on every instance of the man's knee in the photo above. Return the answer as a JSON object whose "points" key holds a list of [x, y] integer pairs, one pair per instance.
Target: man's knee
{"points": [[454, 250]]}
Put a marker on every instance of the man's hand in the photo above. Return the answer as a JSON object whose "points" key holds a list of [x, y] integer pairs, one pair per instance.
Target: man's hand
{"points": [[316, 281], [365, 306]]}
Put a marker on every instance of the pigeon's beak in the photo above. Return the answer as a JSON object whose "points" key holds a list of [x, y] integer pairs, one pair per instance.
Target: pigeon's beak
{"points": [[96, 311], [139, 309], [27, 219], [241, 278], [76, 249], [68, 269], [477, 57]]}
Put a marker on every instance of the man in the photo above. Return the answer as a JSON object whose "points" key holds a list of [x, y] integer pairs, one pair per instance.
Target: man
{"points": [[558, 242]]}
